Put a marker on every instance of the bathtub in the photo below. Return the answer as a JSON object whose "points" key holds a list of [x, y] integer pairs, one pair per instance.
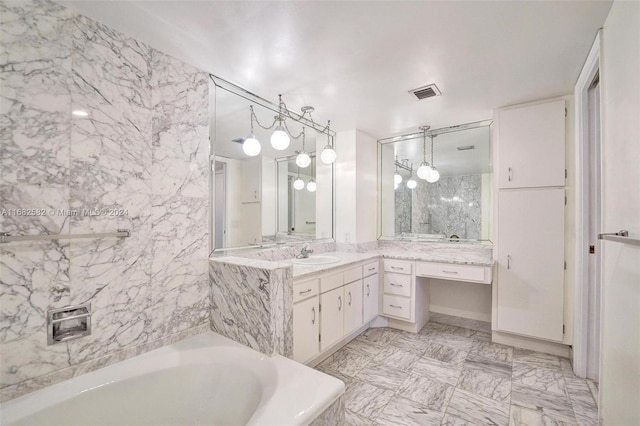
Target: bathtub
{"points": [[204, 380]]}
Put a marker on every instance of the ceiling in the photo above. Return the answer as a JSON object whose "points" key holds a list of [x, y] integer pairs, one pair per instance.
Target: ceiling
{"points": [[356, 61]]}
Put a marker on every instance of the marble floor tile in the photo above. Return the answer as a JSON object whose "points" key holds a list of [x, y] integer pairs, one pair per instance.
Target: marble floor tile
{"points": [[346, 361], [445, 353], [551, 404], [492, 351], [382, 376], [548, 380], [584, 405], [495, 367], [538, 359], [366, 348], [594, 387], [397, 358], [410, 342], [437, 370], [460, 322], [404, 412], [478, 409], [338, 375], [482, 336], [365, 399], [524, 417], [452, 340], [428, 392], [355, 419], [451, 420], [566, 367], [382, 336], [485, 384]]}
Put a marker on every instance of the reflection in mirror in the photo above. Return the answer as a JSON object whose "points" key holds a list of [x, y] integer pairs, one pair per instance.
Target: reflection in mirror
{"points": [[253, 183], [436, 184]]}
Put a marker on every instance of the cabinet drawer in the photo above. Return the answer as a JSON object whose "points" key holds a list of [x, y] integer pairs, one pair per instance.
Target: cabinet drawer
{"points": [[397, 266], [396, 306], [305, 289], [352, 275], [450, 271], [370, 268], [397, 284], [331, 282]]}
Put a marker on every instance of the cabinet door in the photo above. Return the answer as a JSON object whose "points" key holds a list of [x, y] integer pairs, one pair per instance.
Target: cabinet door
{"points": [[531, 146], [353, 306], [371, 295], [531, 262], [306, 329], [331, 317]]}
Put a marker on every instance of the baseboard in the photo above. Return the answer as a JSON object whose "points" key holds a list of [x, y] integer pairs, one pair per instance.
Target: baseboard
{"points": [[411, 327], [532, 344], [478, 316]]}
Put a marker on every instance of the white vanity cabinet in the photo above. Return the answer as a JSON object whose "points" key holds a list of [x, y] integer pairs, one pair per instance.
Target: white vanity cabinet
{"points": [[306, 329], [353, 306], [332, 317], [370, 292], [398, 300]]}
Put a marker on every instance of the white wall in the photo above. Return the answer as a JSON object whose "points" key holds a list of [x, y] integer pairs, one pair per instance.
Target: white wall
{"points": [[620, 77], [324, 192], [485, 208], [387, 193], [346, 187], [268, 199]]}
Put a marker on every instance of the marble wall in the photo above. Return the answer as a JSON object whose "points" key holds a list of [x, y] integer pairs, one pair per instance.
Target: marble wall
{"points": [[142, 149], [451, 206]]}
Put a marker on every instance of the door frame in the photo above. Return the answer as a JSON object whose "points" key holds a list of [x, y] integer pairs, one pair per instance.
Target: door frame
{"points": [[591, 67]]}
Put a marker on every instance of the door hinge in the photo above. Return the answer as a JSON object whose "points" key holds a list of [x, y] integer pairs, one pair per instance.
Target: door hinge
{"points": [[592, 249], [566, 174], [563, 329], [320, 308], [565, 265], [566, 111], [319, 337], [565, 200]]}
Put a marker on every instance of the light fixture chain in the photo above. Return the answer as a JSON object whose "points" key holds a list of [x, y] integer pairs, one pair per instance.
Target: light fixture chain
{"points": [[255, 117]]}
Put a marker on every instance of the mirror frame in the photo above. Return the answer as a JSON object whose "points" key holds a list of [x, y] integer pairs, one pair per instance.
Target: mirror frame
{"points": [[417, 135], [221, 83]]}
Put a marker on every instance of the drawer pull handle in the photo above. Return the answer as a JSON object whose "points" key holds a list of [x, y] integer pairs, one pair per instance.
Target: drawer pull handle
{"points": [[340, 305], [372, 269], [313, 321], [450, 272], [368, 290], [396, 285], [349, 298], [508, 261], [305, 292], [397, 268], [510, 177], [396, 306]]}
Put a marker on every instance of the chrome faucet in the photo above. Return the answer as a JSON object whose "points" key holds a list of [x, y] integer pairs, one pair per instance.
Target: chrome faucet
{"points": [[305, 252]]}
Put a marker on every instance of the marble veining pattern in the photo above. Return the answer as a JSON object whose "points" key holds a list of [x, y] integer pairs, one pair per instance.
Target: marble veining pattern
{"points": [[477, 386], [147, 113], [334, 415]]}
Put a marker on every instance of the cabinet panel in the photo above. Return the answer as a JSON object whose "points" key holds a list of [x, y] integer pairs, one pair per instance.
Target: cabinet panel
{"points": [[370, 268], [306, 329], [531, 146], [305, 289], [397, 284], [331, 317], [332, 281], [396, 306], [450, 271], [353, 306], [531, 262], [397, 266], [371, 296]]}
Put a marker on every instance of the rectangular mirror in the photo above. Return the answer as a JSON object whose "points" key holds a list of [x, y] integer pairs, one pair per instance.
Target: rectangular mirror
{"points": [[255, 198], [453, 203]]}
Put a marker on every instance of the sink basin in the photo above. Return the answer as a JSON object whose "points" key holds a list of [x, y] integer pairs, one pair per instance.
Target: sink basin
{"points": [[316, 260]]}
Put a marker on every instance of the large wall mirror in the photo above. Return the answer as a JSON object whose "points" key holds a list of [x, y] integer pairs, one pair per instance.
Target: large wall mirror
{"points": [[266, 198], [449, 197]]}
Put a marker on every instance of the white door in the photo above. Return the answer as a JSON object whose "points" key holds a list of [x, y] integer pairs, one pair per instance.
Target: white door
{"points": [[306, 329], [532, 146], [251, 179], [531, 262], [331, 317], [353, 306], [220, 204], [371, 295]]}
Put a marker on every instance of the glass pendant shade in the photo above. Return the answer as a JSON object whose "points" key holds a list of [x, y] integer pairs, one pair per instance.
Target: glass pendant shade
{"points": [[434, 176], [311, 186], [298, 183], [411, 183], [328, 155], [280, 139], [396, 185], [424, 170], [397, 178], [303, 160], [251, 146]]}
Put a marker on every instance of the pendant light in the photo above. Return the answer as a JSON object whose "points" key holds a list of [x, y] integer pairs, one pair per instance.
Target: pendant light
{"points": [[311, 185], [279, 138], [298, 183], [251, 146], [425, 169], [411, 183], [328, 155], [303, 160], [434, 176]]}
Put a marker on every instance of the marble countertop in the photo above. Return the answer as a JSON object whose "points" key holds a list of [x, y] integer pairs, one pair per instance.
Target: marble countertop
{"points": [[450, 256]]}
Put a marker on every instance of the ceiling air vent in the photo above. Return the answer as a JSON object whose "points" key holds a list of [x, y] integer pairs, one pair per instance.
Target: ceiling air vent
{"points": [[426, 91]]}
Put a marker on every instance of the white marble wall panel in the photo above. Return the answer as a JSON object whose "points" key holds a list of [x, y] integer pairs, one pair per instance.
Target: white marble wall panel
{"points": [[144, 289]]}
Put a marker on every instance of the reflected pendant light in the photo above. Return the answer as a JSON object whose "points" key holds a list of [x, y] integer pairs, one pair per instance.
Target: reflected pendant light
{"points": [[425, 169], [397, 177], [251, 145], [434, 176], [279, 138], [311, 185], [303, 160], [411, 183], [298, 184], [328, 155]]}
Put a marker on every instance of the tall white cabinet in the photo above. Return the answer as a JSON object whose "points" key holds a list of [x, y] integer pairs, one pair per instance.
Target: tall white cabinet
{"points": [[530, 172]]}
